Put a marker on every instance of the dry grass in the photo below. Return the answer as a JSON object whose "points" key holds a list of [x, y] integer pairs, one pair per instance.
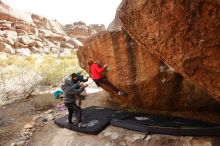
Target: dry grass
{"points": [[54, 69], [51, 67], [51, 70], [43, 102]]}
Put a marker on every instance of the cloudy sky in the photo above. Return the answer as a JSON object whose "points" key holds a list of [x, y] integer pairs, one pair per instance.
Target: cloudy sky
{"points": [[68, 11]]}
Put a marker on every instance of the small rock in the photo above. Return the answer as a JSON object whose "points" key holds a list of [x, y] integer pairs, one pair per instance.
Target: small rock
{"points": [[113, 135], [49, 111], [50, 117], [32, 130], [32, 123], [134, 137], [24, 138], [24, 130], [148, 138], [201, 142], [20, 143], [122, 143], [35, 118], [30, 134], [44, 119], [27, 130], [26, 133], [28, 126], [22, 134], [12, 119], [12, 144]]}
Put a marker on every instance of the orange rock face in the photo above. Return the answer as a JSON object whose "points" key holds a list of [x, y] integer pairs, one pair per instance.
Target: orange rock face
{"points": [[184, 34], [148, 82]]}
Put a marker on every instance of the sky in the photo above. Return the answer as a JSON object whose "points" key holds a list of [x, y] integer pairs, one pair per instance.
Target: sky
{"points": [[69, 11]]}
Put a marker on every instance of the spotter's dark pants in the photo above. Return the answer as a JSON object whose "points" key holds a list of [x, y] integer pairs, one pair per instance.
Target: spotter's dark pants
{"points": [[73, 108]]}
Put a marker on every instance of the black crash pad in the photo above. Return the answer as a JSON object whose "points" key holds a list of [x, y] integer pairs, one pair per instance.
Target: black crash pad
{"points": [[148, 123], [94, 120]]}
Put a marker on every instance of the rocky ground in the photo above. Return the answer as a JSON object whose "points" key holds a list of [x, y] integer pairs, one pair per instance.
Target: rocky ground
{"points": [[17, 119], [38, 129]]}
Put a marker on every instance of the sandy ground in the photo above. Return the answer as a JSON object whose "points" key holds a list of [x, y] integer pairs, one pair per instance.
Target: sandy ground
{"points": [[52, 135]]}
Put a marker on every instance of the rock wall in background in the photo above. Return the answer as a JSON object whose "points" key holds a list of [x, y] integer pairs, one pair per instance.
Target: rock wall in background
{"points": [[81, 31], [25, 33]]}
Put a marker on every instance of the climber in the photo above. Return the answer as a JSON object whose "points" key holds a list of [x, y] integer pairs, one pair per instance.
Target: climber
{"points": [[77, 81], [96, 73], [81, 78]]}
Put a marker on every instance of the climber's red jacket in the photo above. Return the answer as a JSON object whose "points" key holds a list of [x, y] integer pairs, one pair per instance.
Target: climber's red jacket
{"points": [[96, 71]]}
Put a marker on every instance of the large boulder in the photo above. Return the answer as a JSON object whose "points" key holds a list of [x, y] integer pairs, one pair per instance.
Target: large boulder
{"points": [[13, 15], [76, 43], [116, 23], [8, 41], [10, 34], [22, 26], [44, 23], [80, 29], [148, 82], [37, 44], [25, 39], [5, 25], [23, 51], [6, 48], [20, 45], [184, 34], [47, 34], [15, 24], [97, 27], [66, 45]]}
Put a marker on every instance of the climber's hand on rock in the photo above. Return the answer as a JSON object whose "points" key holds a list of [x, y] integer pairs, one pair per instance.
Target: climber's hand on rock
{"points": [[105, 65]]}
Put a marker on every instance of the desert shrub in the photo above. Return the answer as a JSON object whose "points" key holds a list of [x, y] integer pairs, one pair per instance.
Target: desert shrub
{"points": [[20, 76], [53, 69], [17, 82], [43, 102]]}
